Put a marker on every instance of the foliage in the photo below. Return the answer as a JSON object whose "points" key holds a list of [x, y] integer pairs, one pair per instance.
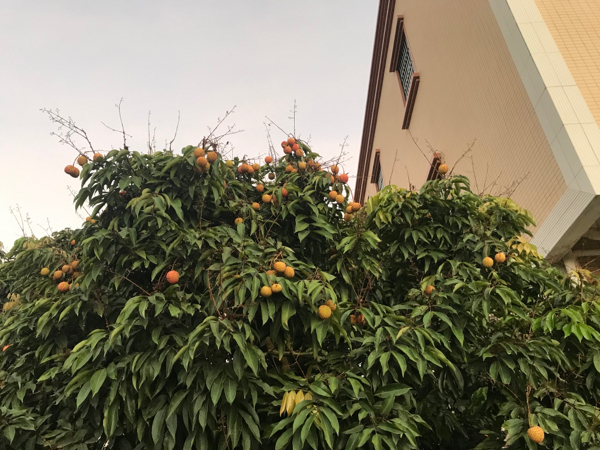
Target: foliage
{"points": [[125, 360]]}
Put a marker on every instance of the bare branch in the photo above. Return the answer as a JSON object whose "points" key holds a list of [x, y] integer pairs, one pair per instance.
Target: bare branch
{"points": [[219, 122], [67, 129], [176, 129], [122, 130], [465, 153]]}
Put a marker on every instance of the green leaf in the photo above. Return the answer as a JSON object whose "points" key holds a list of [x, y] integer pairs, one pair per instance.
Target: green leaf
{"points": [[97, 380]]}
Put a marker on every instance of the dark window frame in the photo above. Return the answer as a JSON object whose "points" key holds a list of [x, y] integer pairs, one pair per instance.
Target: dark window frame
{"points": [[400, 49], [433, 168], [377, 173]]}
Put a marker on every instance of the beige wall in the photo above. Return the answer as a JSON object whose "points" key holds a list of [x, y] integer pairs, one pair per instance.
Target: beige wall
{"points": [[469, 90], [575, 27]]}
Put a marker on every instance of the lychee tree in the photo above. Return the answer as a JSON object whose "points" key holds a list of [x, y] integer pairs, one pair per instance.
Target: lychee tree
{"points": [[215, 304]]}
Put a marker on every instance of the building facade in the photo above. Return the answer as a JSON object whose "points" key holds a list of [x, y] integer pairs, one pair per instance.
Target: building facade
{"points": [[506, 92]]}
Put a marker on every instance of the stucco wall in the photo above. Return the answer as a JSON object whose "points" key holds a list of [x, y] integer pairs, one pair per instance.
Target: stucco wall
{"points": [[469, 90], [575, 27]]}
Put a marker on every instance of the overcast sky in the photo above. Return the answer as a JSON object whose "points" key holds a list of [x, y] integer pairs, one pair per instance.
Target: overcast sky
{"points": [[197, 57]]}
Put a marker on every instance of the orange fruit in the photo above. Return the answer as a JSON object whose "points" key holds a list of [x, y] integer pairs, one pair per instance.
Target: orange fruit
{"points": [[266, 291], [536, 434], [324, 312], [443, 169], [333, 195], [287, 150], [238, 221], [429, 289], [266, 198], [276, 288], [335, 169], [343, 178], [97, 156], [198, 152], [212, 156], [255, 206], [487, 262], [348, 217], [268, 159], [81, 160], [72, 170], [500, 257], [279, 266], [172, 276], [289, 272], [63, 286], [291, 141], [260, 188]]}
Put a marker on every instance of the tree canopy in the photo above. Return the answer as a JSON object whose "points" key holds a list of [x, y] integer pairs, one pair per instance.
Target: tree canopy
{"points": [[208, 304]]}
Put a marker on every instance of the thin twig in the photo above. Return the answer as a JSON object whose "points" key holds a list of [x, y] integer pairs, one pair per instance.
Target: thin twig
{"points": [[176, 129]]}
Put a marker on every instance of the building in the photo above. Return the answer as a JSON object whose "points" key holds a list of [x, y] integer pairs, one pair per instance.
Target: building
{"points": [[519, 81]]}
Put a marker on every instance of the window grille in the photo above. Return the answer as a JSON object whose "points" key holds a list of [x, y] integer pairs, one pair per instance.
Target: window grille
{"points": [[405, 66]]}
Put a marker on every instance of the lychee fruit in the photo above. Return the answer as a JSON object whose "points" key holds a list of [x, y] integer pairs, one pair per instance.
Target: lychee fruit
{"points": [[266, 291], [289, 168], [348, 217], [289, 272], [45, 271], [279, 266], [287, 150], [269, 159], [536, 434], [291, 141], [97, 156], [276, 288], [255, 206], [172, 276], [429, 289], [355, 206], [324, 312], [487, 262], [340, 199], [57, 275], [81, 160], [343, 178], [335, 169], [260, 188], [500, 257], [63, 286], [198, 152], [333, 195], [212, 156], [443, 169], [238, 221], [266, 198]]}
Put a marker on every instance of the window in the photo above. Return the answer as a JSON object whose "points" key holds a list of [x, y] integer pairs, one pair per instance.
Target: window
{"points": [[377, 175], [433, 170], [403, 65]]}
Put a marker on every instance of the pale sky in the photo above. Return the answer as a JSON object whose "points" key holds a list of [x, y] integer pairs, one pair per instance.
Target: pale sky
{"points": [[197, 57]]}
